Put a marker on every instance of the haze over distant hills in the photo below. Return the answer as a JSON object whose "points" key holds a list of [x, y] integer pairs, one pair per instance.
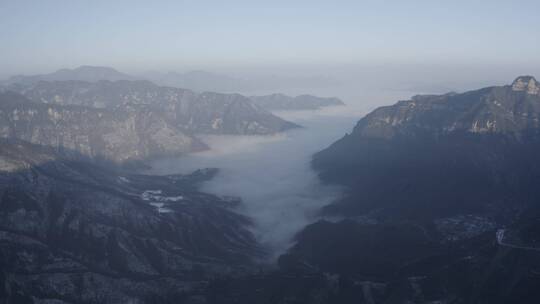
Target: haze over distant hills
{"points": [[440, 201], [207, 81], [118, 135], [82, 73], [124, 120], [269, 152], [196, 80], [208, 112], [101, 112], [300, 102]]}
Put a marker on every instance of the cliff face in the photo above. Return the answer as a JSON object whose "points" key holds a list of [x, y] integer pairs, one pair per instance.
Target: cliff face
{"points": [[192, 112], [446, 154], [127, 120], [74, 232], [509, 110], [117, 135]]}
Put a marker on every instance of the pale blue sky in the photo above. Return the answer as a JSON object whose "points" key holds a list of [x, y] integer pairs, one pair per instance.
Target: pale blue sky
{"points": [[44, 35]]}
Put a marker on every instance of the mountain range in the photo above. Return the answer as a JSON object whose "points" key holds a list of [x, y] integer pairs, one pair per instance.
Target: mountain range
{"points": [[440, 206], [440, 201], [197, 80], [207, 112], [117, 135], [127, 120]]}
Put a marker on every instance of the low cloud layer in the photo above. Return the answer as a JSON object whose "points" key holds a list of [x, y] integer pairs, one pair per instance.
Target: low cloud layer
{"points": [[272, 175]]}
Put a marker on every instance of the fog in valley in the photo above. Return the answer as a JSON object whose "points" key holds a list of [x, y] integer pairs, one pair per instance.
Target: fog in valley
{"points": [[279, 190], [271, 174], [269, 152]]}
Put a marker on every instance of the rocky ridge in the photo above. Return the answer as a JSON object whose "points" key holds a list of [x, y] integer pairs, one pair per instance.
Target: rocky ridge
{"points": [[127, 120], [208, 112], [117, 135], [510, 110]]}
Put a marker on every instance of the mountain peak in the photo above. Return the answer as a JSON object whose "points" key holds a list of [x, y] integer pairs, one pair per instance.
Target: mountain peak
{"points": [[505, 110], [526, 83]]}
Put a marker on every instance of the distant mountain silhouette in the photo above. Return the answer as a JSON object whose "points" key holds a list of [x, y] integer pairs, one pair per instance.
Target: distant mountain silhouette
{"points": [[207, 81], [82, 73], [300, 102]]}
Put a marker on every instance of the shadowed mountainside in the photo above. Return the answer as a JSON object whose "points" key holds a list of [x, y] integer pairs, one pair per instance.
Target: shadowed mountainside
{"points": [[76, 232], [441, 203]]}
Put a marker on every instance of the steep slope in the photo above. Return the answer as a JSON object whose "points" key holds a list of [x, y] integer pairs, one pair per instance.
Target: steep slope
{"points": [[441, 154], [77, 233], [191, 112], [441, 205], [119, 135], [509, 110], [300, 102]]}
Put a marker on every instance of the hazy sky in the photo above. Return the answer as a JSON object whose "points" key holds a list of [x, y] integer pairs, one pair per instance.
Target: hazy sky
{"points": [[41, 36]]}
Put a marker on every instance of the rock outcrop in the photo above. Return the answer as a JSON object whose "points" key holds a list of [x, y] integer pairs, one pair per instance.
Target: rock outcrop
{"points": [[119, 135], [127, 120], [509, 110], [208, 112]]}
